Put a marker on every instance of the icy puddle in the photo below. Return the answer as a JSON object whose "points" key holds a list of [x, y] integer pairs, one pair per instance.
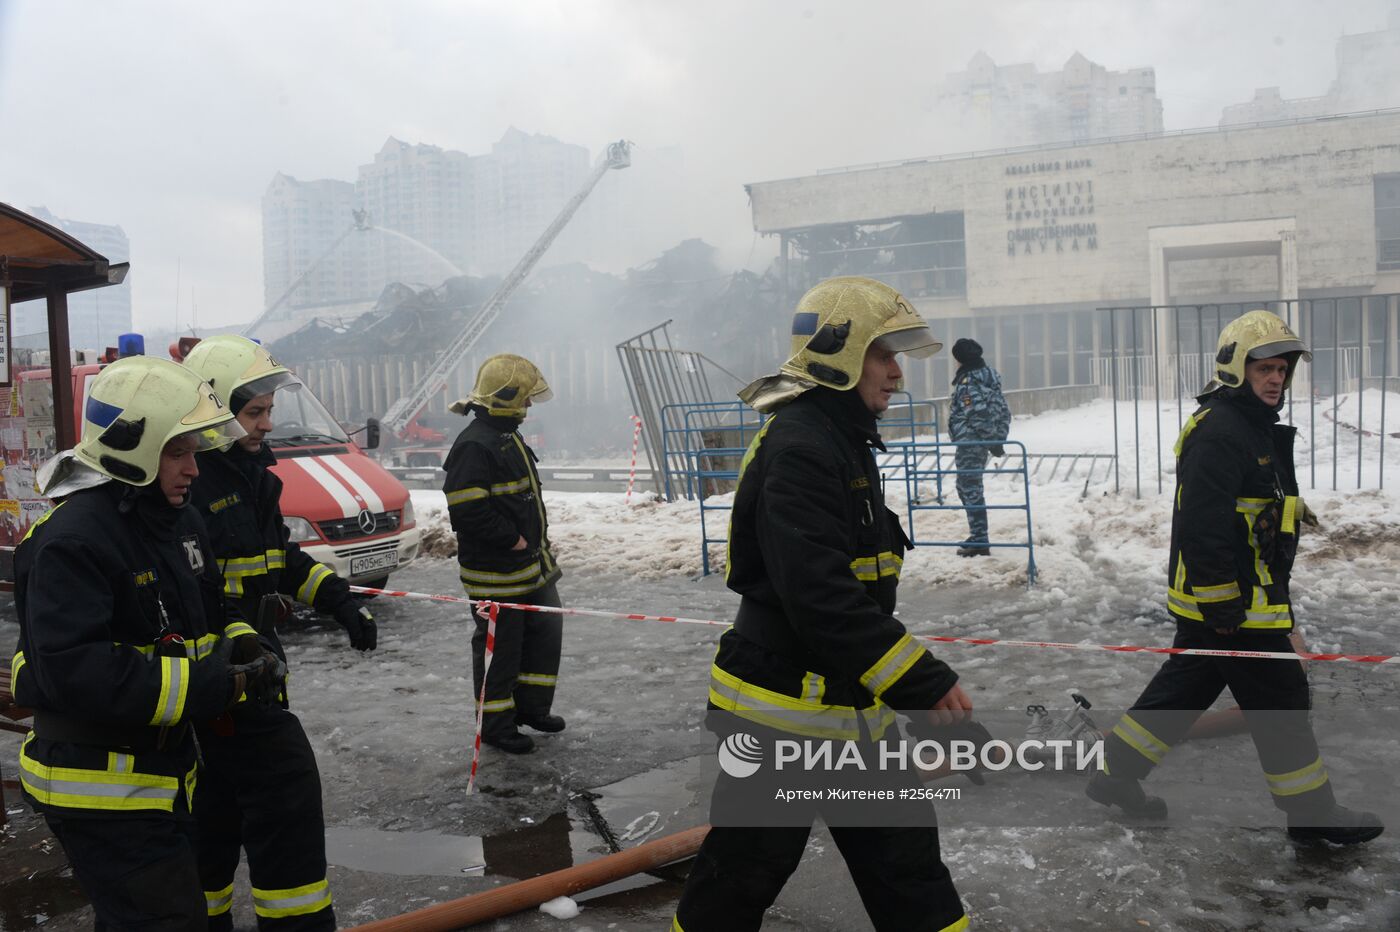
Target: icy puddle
{"points": [[599, 822]]}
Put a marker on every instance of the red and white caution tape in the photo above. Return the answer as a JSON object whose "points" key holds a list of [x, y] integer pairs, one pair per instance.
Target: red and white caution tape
{"points": [[1051, 645], [488, 610], [632, 474]]}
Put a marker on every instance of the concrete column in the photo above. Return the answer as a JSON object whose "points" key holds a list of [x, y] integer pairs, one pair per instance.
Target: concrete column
{"points": [[1288, 265]]}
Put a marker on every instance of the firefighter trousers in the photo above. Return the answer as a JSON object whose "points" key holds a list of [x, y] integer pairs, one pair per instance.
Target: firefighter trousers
{"points": [[1273, 695], [260, 791], [138, 873], [524, 662], [899, 873]]}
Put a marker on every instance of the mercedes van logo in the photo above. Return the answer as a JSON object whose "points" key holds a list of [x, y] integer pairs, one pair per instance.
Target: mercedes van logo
{"points": [[367, 522]]}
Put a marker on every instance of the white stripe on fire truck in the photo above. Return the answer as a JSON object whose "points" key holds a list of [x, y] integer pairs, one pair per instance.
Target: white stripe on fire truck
{"points": [[348, 507], [357, 482]]}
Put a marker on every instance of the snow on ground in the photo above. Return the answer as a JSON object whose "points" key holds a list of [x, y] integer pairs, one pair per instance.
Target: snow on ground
{"points": [[392, 730]]}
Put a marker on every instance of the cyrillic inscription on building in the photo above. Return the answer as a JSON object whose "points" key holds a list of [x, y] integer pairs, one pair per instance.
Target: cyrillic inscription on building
{"points": [[1050, 216]]}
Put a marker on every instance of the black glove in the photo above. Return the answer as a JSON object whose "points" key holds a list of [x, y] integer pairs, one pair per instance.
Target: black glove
{"points": [[259, 671], [1224, 617], [997, 450], [357, 621]]}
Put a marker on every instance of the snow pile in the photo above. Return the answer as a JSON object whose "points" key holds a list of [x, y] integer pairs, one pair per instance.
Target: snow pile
{"points": [[1085, 535], [561, 907]]}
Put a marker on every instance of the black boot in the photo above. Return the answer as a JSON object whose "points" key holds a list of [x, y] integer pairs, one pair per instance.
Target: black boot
{"points": [[512, 742], [1125, 793], [968, 550], [546, 722], [1339, 825]]}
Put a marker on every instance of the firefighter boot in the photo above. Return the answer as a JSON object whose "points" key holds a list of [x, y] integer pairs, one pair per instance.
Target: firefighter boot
{"points": [[1125, 793], [512, 742], [1339, 825], [546, 722]]}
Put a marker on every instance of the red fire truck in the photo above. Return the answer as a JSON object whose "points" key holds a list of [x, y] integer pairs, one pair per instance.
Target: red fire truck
{"points": [[340, 506]]}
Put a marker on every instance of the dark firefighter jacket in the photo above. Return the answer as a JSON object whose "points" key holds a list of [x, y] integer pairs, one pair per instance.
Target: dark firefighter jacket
{"points": [[99, 581], [816, 556], [240, 499], [1235, 520], [493, 499]]}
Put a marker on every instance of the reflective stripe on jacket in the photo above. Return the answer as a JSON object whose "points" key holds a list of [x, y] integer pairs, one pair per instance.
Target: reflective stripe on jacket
{"points": [[816, 556], [240, 499], [97, 584], [1233, 462], [493, 500]]}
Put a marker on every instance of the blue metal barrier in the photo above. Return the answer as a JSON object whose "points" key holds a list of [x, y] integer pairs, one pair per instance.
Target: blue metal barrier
{"points": [[923, 461], [710, 439]]}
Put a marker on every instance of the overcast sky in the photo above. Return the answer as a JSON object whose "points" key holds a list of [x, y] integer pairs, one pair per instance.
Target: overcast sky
{"points": [[171, 118]]}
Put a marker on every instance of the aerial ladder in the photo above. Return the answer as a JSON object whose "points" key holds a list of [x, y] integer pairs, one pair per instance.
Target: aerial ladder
{"points": [[402, 413]]}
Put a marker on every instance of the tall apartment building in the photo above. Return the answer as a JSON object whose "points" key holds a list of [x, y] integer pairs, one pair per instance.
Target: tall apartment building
{"points": [[1016, 105], [95, 318], [1368, 78], [303, 222], [520, 187], [420, 199]]}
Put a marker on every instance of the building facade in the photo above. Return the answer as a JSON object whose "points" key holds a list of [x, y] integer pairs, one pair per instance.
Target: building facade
{"points": [[1017, 105], [1022, 251], [419, 200], [305, 226], [95, 318], [420, 214]]}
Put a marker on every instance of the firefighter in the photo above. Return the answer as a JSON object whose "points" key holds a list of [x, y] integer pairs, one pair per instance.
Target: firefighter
{"points": [[977, 413], [497, 510], [120, 648], [815, 647], [261, 789], [1235, 526]]}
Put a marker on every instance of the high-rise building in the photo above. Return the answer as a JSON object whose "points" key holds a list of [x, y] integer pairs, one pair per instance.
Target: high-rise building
{"points": [[419, 199], [1368, 78], [305, 227], [520, 187], [1016, 105], [420, 214], [96, 317]]}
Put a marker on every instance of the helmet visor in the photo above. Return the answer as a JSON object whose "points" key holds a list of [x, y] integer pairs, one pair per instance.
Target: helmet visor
{"points": [[918, 342], [214, 436], [267, 384], [1280, 348], [541, 392]]}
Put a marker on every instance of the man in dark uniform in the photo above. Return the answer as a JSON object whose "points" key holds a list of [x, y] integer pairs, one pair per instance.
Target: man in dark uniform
{"points": [[120, 644], [1235, 527], [815, 647], [497, 510], [262, 790]]}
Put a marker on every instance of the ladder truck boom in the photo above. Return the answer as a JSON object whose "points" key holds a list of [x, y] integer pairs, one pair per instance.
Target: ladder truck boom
{"points": [[402, 412]]}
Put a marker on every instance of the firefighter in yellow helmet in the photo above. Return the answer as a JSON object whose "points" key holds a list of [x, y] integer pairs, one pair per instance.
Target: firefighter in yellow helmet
{"points": [[498, 513], [122, 646], [1236, 520], [262, 790], [815, 650]]}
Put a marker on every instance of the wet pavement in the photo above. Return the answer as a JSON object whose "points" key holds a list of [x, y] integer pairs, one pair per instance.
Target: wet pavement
{"points": [[392, 735]]}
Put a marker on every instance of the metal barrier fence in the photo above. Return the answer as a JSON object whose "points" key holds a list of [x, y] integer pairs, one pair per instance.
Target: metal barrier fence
{"points": [[659, 377], [1159, 356], [712, 438], [923, 462]]}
